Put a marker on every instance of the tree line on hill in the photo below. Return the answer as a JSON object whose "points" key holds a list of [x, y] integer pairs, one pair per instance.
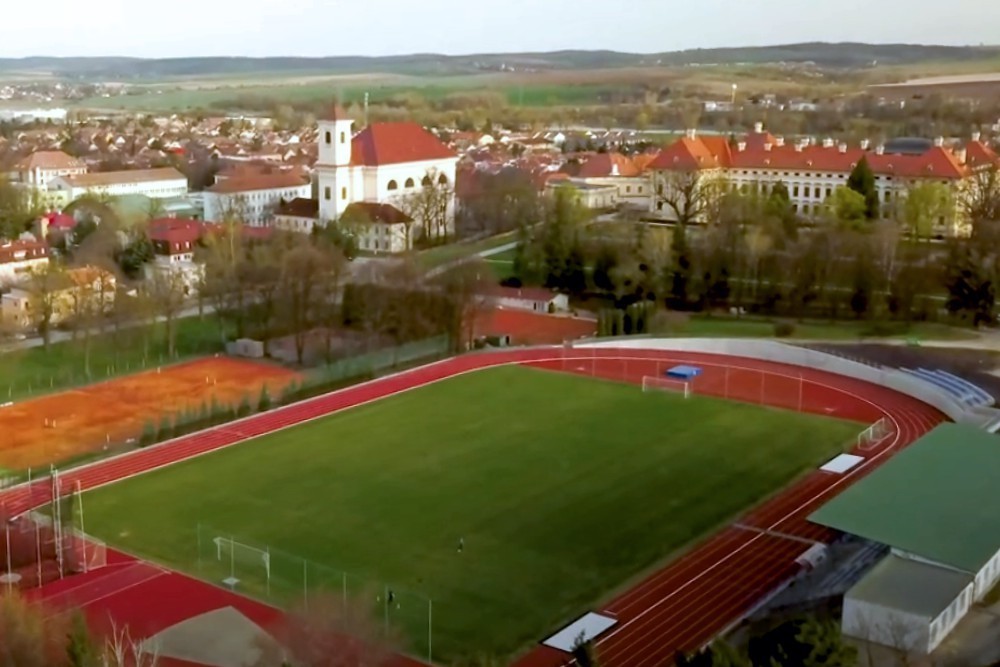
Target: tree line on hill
{"points": [[750, 251]]}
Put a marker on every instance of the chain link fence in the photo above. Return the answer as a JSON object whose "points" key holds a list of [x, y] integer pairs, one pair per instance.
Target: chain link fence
{"points": [[269, 573]]}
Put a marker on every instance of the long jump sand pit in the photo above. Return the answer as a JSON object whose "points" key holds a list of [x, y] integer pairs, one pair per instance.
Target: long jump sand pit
{"points": [[55, 428]]}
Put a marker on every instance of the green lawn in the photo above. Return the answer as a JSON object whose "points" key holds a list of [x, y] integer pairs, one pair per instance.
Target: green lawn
{"points": [[35, 371], [562, 487], [446, 253]]}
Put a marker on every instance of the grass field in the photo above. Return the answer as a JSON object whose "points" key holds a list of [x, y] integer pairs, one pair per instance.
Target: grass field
{"points": [[562, 487]]}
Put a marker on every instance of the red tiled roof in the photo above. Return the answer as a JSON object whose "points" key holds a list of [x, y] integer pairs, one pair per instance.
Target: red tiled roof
{"points": [[526, 293], [257, 182], [608, 164], [763, 152], [175, 230], [686, 154], [978, 154], [50, 160], [129, 176], [300, 207], [373, 212], [395, 143], [19, 251], [60, 221]]}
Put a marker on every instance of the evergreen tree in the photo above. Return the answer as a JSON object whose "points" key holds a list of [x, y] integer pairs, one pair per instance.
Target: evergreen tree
{"points": [[264, 402], [575, 277], [604, 264], [79, 647], [862, 181]]}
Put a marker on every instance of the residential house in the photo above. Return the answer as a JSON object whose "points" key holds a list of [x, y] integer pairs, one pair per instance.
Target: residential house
{"points": [[535, 299], [39, 171], [174, 244], [19, 258], [86, 289]]}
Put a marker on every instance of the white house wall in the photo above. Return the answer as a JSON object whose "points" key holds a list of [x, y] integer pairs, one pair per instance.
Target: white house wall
{"points": [[889, 627]]}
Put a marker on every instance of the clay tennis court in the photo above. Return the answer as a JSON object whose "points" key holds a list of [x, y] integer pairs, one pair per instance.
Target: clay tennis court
{"points": [[84, 420], [530, 328]]}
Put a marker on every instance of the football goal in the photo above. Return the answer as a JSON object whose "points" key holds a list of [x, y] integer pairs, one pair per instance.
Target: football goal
{"points": [[237, 556], [875, 434], [653, 383]]}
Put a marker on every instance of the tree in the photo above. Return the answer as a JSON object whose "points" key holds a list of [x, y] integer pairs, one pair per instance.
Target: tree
{"points": [[847, 207], [166, 290], [689, 195], [604, 265], [44, 286], [304, 269], [466, 289], [80, 649], [980, 203], [431, 206], [18, 208], [923, 206], [27, 637], [564, 215], [331, 633], [971, 292], [862, 181], [499, 202]]}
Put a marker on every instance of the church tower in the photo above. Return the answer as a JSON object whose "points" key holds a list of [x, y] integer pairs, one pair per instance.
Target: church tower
{"points": [[333, 167]]}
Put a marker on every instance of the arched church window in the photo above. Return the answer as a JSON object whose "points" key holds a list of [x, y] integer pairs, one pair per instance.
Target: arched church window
{"points": [[426, 181], [329, 138], [442, 179], [393, 185], [409, 183]]}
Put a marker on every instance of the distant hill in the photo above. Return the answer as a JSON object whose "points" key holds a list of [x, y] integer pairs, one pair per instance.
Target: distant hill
{"points": [[840, 55]]}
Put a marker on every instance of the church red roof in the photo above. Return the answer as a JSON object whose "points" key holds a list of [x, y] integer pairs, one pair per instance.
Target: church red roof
{"points": [[396, 143]]}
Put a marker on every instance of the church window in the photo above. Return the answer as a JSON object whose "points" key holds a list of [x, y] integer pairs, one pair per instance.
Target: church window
{"points": [[329, 138], [442, 179], [409, 183], [426, 181], [326, 193], [343, 193], [393, 185], [343, 137]]}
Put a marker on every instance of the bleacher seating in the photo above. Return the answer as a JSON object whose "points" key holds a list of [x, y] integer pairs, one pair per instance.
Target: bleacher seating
{"points": [[961, 389]]}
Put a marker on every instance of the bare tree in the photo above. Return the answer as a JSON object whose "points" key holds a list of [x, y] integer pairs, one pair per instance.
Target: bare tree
{"points": [[44, 287], [691, 196], [167, 292], [304, 268], [467, 289], [121, 650], [331, 633], [431, 206]]}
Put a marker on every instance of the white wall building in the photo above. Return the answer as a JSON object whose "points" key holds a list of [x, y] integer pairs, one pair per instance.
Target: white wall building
{"points": [[162, 183], [535, 299], [19, 258], [40, 168], [175, 242], [812, 171], [388, 164], [253, 199]]}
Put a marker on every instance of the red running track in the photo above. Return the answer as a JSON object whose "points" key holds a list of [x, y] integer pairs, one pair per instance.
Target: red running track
{"points": [[693, 598]]}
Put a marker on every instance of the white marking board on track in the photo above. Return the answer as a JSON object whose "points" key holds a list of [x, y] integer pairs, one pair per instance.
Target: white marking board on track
{"points": [[583, 629], [842, 463]]}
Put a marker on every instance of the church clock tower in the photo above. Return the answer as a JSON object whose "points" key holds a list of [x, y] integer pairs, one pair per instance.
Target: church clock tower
{"points": [[333, 166]]}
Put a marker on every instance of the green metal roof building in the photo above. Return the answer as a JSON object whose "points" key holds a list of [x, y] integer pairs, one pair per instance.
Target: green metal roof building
{"points": [[935, 504]]}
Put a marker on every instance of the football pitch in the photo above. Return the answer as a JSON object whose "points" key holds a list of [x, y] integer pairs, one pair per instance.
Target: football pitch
{"points": [[561, 489]]}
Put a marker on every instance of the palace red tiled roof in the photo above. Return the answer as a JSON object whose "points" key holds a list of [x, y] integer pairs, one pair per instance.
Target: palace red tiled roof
{"points": [[978, 155], [608, 164], [175, 230], [396, 143], [762, 152]]}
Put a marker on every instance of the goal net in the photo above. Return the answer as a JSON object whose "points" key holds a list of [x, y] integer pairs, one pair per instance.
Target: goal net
{"points": [[652, 383], [236, 558], [875, 434]]}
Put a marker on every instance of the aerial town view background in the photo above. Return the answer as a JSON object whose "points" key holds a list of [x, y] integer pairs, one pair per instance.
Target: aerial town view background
{"points": [[473, 337]]}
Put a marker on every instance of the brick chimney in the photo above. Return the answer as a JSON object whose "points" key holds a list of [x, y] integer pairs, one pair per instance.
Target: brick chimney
{"points": [[758, 127], [692, 133], [865, 144], [828, 143], [880, 149], [976, 136], [842, 148], [741, 146], [779, 141]]}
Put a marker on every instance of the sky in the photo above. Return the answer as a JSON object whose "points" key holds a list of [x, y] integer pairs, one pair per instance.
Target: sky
{"points": [[177, 28]]}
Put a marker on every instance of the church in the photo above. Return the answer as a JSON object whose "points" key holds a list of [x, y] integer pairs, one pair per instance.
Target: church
{"points": [[390, 184]]}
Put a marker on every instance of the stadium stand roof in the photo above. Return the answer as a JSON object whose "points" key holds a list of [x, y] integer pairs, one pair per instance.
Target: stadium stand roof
{"points": [[907, 585], [936, 499]]}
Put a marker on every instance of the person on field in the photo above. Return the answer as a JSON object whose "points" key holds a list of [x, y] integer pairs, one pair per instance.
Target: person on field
{"points": [[461, 544]]}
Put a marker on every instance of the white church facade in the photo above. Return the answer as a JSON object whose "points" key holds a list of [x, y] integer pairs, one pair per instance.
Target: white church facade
{"points": [[392, 183]]}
